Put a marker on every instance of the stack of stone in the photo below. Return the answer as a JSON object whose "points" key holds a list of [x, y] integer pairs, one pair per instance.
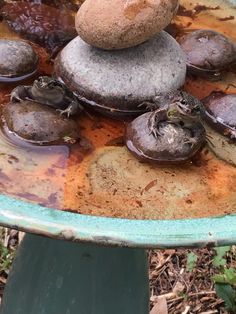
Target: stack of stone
{"points": [[122, 57]]}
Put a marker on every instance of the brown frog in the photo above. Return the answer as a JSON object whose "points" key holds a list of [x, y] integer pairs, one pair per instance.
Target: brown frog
{"points": [[51, 92], [176, 107], [170, 132]]}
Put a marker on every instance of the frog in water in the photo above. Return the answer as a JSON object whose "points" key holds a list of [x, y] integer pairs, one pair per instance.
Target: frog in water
{"points": [[48, 91], [176, 107]]}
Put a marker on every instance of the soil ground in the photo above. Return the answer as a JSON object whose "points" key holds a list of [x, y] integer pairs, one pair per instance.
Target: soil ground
{"points": [[180, 280]]}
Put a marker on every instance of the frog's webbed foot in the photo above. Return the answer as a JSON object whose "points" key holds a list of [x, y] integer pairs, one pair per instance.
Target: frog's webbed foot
{"points": [[73, 109], [19, 93], [191, 141], [155, 132], [15, 98]]}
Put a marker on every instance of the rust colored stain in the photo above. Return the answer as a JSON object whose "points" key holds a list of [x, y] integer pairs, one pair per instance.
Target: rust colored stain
{"points": [[119, 141], [3, 176], [150, 185], [100, 177], [201, 8], [227, 18], [192, 13], [144, 191]]}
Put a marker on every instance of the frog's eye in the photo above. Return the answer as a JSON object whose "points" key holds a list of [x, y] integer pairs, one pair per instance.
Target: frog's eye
{"points": [[183, 102], [42, 82]]}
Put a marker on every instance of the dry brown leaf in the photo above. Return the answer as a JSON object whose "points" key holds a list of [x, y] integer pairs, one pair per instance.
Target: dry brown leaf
{"points": [[3, 280], [178, 288], [154, 259], [169, 252], [186, 310], [21, 236], [160, 307]]}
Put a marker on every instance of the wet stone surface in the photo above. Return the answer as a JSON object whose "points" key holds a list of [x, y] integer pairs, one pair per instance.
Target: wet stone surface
{"points": [[118, 82], [220, 113], [208, 52], [38, 123], [17, 60], [220, 123], [173, 144]]}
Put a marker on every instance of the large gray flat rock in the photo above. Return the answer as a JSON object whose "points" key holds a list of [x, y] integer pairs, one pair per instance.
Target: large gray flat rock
{"points": [[125, 78]]}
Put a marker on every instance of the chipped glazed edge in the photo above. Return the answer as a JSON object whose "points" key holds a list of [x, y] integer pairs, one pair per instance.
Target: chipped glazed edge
{"points": [[33, 218]]}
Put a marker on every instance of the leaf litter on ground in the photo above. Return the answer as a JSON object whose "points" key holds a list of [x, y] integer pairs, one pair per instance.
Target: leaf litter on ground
{"points": [[181, 280]]}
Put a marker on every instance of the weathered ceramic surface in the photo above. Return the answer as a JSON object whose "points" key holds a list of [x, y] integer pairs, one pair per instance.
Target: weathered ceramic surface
{"points": [[120, 232], [133, 233]]}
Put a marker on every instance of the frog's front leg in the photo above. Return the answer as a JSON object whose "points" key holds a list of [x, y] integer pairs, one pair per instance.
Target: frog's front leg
{"points": [[156, 117], [150, 106], [73, 108], [19, 93]]}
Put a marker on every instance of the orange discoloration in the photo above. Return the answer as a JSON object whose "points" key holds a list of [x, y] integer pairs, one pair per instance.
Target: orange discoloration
{"points": [[105, 179], [133, 7]]}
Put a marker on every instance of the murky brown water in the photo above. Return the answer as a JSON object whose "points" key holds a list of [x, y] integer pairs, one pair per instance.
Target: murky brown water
{"points": [[107, 180]]}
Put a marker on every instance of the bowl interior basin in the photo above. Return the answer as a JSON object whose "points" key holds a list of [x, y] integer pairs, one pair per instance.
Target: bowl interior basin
{"points": [[97, 192]]}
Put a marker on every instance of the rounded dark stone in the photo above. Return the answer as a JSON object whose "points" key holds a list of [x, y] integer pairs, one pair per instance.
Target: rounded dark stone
{"points": [[220, 112], [117, 82], [38, 123], [208, 52], [174, 144], [17, 60]]}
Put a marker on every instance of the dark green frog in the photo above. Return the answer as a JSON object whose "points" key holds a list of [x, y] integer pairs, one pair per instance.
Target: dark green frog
{"points": [[48, 91]]}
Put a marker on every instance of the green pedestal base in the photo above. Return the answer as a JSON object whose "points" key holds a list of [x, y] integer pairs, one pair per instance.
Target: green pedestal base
{"points": [[58, 277]]}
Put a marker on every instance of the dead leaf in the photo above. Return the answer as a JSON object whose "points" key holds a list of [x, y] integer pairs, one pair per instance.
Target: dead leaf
{"points": [[186, 310], [150, 185], [178, 288], [21, 236], [3, 280], [160, 307], [210, 312], [169, 252]]}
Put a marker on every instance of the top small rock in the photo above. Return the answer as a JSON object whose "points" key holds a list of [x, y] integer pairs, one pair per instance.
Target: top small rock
{"points": [[117, 24]]}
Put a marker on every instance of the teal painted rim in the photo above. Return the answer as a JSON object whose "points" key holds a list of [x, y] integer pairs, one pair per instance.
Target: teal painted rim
{"points": [[33, 218]]}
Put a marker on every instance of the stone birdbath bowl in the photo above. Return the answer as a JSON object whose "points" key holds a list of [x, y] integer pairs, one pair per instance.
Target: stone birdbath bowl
{"points": [[95, 261]]}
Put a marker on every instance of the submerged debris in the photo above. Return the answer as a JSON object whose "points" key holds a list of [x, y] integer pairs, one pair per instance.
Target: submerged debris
{"points": [[48, 26]]}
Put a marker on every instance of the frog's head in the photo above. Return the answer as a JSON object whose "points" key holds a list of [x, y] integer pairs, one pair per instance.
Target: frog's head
{"points": [[45, 82], [185, 107]]}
